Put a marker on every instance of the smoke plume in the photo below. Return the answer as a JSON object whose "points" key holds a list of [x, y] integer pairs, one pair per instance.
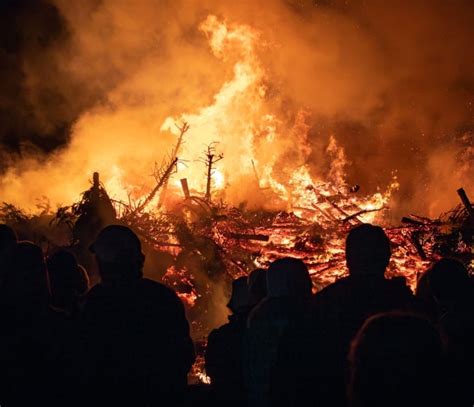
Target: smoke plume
{"points": [[88, 86]]}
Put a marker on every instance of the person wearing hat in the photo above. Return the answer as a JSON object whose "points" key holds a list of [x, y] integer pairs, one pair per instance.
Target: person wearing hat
{"points": [[137, 345], [224, 349]]}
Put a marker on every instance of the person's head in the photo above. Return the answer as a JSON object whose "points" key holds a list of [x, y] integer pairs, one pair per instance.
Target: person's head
{"points": [[239, 301], [367, 250], [445, 282], [8, 238], [288, 277], [69, 281], [118, 253], [395, 359], [26, 278], [257, 282]]}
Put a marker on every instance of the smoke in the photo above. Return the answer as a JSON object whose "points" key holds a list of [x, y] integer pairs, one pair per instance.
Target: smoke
{"points": [[88, 86]]}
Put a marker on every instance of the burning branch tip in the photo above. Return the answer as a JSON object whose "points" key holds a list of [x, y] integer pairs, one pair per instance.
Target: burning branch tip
{"points": [[183, 128]]}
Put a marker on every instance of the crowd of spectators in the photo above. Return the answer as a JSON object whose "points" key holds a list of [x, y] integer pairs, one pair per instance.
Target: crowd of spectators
{"points": [[363, 341]]}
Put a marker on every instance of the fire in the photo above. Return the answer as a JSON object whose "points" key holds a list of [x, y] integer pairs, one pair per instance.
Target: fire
{"points": [[232, 118], [266, 155], [263, 161], [262, 198], [260, 158], [218, 179]]}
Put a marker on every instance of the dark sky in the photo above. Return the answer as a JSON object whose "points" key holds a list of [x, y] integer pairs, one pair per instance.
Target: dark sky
{"points": [[39, 99]]}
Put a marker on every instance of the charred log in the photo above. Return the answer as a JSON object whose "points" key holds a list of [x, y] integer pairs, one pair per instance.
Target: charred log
{"points": [[185, 188], [261, 238]]}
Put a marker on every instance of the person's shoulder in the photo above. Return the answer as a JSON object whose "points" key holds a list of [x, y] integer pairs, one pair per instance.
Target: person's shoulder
{"points": [[234, 324], [153, 284], [143, 288], [157, 287], [217, 333], [345, 292], [259, 311], [96, 292], [331, 289], [397, 284], [159, 292]]}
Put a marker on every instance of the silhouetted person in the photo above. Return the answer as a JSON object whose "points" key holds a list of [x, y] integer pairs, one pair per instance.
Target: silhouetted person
{"points": [[396, 360], [8, 241], [444, 286], [312, 359], [32, 336], [225, 349], [138, 349], [287, 302], [69, 281], [257, 283], [8, 238], [447, 292]]}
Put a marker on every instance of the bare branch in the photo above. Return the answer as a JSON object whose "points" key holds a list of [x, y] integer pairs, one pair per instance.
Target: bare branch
{"points": [[164, 174], [211, 157]]}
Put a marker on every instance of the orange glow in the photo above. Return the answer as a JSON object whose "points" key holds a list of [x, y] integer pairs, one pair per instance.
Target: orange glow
{"points": [[124, 145]]}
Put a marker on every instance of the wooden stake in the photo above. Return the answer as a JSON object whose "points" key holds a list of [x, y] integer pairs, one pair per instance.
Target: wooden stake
{"points": [[466, 202], [185, 188]]}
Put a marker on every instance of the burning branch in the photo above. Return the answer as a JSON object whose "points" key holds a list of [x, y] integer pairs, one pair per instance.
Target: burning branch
{"points": [[211, 157], [415, 239], [327, 215], [411, 221], [361, 212], [161, 175], [174, 155], [182, 130]]}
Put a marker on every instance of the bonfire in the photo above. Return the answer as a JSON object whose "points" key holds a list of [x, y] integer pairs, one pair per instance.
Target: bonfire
{"points": [[195, 217]]}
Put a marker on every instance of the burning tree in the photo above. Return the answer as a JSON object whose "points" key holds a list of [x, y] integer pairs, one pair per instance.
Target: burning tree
{"points": [[211, 157]]}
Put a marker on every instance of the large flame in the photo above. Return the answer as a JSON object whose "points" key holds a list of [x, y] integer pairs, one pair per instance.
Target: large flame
{"points": [[265, 155], [231, 121]]}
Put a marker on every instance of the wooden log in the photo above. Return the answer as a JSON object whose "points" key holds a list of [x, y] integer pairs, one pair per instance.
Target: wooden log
{"points": [[324, 213], [412, 221], [466, 202], [250, 236], [415, 239], [95, 179], [361, 212], [185, 187]]}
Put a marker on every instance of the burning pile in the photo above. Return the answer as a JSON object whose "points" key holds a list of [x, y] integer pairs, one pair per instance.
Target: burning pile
{"points": [[252, 196], [237, 240]]}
